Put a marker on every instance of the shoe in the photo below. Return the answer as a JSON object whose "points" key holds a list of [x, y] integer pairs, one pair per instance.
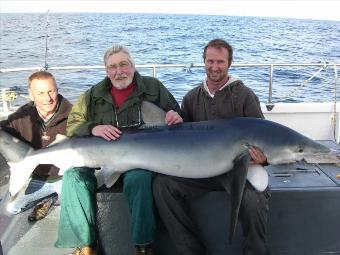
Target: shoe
{"points": [[86, 250], [143, 250], [41, 210]]}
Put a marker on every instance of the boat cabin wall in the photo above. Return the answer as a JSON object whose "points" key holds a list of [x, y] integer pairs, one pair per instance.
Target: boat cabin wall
{"points": [[318, 121]]}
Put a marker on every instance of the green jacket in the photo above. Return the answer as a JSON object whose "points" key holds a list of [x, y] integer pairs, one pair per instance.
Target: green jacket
{"points": [[95, 106]]}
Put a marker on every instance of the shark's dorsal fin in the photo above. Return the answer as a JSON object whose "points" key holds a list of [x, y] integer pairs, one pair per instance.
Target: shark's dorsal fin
{"points": [[152, 115], [59, 138]]}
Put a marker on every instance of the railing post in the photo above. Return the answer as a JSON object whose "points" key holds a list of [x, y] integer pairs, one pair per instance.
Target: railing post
{"points": [[154, 71], [6, 105], [270, 97], [269, 104]]}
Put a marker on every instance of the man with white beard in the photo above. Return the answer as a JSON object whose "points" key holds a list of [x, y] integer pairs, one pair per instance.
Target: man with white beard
{"points": [[106, 110]]}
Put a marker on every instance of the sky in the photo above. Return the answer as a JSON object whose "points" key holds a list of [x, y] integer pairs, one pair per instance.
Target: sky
{"points": [[305, 9]]}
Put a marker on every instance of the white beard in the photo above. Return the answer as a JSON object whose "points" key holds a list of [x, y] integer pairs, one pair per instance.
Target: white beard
{"points": [[122, 84]]}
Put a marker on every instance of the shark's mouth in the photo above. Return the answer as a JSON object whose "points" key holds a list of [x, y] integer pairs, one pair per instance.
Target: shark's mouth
{"points": [[332, 157]]}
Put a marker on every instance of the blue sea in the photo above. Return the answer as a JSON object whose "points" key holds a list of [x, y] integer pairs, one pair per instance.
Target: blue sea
{"points": [[82, 39]]}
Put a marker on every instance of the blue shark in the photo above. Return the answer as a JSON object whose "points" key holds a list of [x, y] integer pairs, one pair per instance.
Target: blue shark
{"points": [[190, 150]]}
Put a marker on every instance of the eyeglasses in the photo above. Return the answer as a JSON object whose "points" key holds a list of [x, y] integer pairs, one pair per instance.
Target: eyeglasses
{"points": [[121, 65], [133, 125]]}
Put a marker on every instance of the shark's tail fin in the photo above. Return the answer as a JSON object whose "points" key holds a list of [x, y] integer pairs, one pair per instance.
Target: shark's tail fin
{"points": [[32, 193], [13, 149], [19, 174]]}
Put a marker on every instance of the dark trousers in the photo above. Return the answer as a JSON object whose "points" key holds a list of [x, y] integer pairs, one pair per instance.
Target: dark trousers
{"points": [[171, 195]]}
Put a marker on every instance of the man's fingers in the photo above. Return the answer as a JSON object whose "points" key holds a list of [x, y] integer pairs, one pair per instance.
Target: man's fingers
{"points": [[257, 155], [108, 132], [173, 117]]}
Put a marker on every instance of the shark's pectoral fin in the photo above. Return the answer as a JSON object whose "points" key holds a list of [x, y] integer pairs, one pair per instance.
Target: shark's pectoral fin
{"points": [[106, 176], [239, 177], [100, 178]]}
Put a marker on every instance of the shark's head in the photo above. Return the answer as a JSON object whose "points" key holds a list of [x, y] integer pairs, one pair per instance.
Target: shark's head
{"points": [[294, 148], [279, 143]]}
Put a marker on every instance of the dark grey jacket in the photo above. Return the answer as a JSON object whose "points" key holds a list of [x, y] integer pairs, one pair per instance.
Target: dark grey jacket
{"points": [[234, 100]]}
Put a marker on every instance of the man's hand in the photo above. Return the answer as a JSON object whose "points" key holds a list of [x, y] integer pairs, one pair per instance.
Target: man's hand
{"points": [[108, 132], [172, 117], [257, 156]]}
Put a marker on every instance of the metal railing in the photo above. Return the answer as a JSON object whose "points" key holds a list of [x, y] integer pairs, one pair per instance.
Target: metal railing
{"points": [[188, 67]]}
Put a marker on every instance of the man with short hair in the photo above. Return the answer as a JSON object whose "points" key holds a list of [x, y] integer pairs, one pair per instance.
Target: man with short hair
{"points": [[37, 123], [219, 96], [106, 110]]}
